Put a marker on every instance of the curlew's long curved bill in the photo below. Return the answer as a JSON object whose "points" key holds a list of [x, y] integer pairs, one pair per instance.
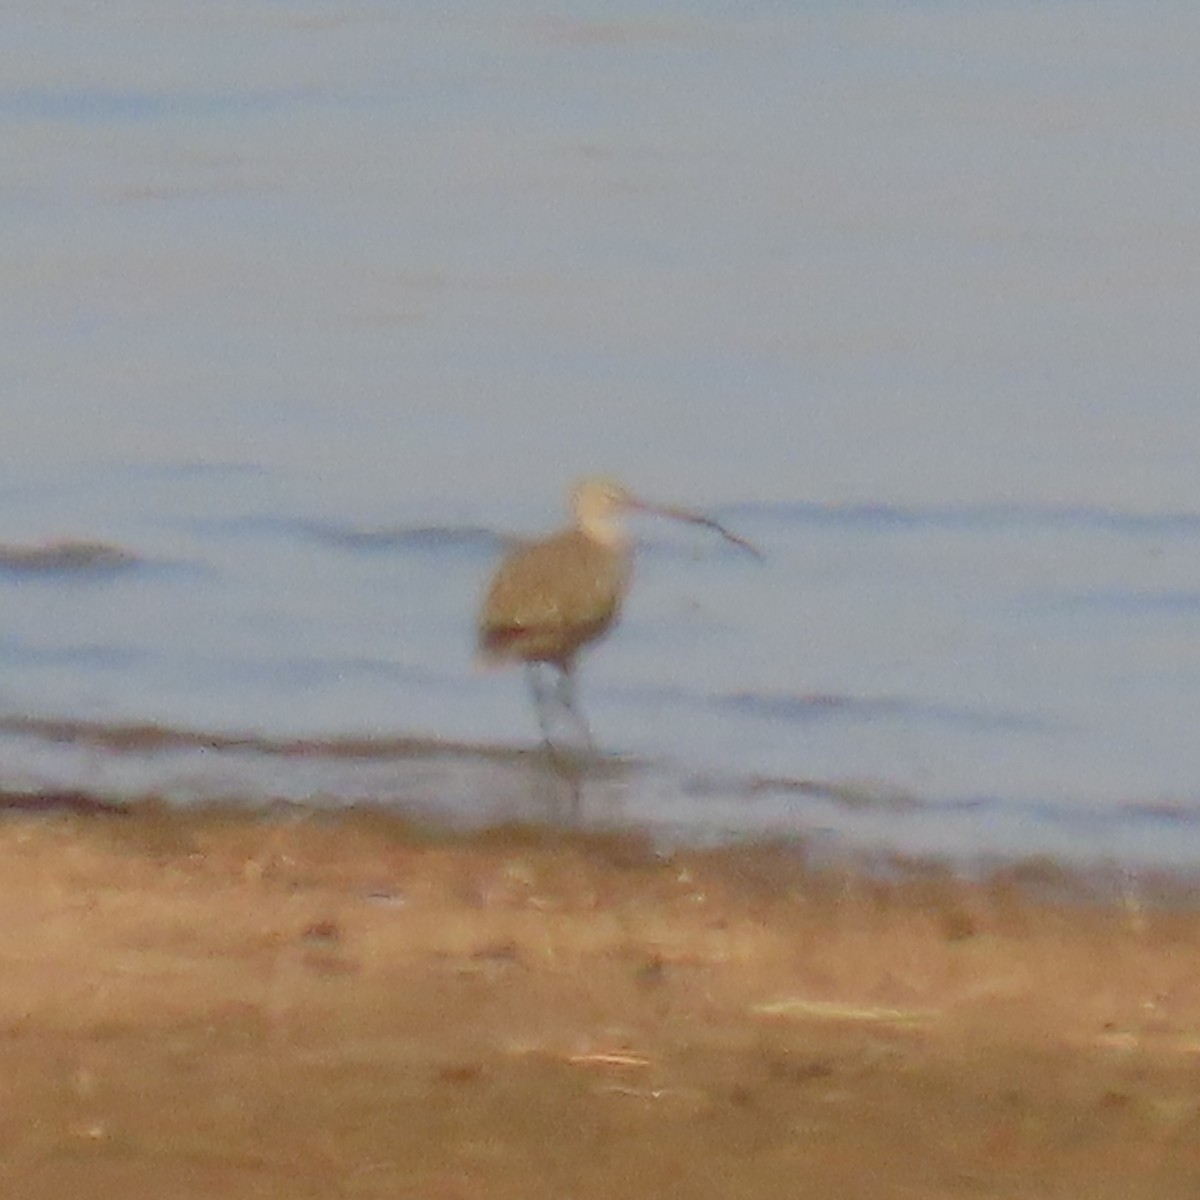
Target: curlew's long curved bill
{"points": [[695, 518]]}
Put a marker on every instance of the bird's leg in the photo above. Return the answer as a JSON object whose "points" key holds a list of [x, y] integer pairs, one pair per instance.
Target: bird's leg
{"points": [[570, 767], [565, 693], [541, 697], [552, 698]]}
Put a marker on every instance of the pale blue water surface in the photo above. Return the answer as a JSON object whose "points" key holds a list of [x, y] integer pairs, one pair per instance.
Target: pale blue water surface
{"points": [[306, 304]]}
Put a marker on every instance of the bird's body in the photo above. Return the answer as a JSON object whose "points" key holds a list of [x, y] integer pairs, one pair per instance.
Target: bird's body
{"points": [[551, 597]]}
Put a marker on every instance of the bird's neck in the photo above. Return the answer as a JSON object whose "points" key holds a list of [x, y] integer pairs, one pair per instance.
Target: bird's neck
{"points": [[607, 531]]}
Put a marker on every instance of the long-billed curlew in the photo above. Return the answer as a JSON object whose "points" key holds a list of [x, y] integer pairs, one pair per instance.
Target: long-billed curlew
{"points": [[552, 597]]}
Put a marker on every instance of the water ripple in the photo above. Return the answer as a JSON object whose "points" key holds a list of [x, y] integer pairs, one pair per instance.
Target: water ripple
{"points": [[93, 105], [822, 707], [1167, 602], [400, 537], [973, 517], [67, 557]]}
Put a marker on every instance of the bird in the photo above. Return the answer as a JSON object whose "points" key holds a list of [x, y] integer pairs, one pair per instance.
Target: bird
{"points": [[551, 598]]}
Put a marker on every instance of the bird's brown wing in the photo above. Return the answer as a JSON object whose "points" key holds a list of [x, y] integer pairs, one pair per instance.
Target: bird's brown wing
{"points": [[550, 598]]}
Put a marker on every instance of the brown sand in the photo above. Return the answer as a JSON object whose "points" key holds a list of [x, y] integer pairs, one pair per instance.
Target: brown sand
{"points": [[217, 1006]]}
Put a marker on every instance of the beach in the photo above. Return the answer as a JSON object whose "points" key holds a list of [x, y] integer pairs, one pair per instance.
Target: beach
{"points": [[296, 1004], [881, 881]]}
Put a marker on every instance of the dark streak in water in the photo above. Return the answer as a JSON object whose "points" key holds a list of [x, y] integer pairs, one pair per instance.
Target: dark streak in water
{"points": [[849, 795], [79, 803], [974, 517], [402, 537], [1186, 603], [1167, 811], [150, 738], [356, 539], [187, 469], [80, 656], [817, 707], [97, 105], [68, 556], [870, 795]]}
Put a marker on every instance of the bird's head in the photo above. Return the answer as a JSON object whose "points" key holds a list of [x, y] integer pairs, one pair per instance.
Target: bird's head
{"points": [[596, 503]]}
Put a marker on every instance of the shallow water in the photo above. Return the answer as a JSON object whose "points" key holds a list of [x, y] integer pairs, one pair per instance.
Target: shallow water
{"points": [[311, 304]]}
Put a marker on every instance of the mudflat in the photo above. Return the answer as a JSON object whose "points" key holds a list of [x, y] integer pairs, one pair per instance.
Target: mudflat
{"points": [[218, 1004]]}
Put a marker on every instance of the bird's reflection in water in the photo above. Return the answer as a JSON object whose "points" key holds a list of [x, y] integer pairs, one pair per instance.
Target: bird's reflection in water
{"points": [[566, 776], [576, 788]]}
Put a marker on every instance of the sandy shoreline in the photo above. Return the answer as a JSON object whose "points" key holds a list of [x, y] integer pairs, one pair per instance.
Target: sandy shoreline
{"points": [[203, 1004]]}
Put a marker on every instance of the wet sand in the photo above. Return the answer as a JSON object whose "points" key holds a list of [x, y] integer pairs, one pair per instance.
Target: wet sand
{"points": [[217, 1004]]}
